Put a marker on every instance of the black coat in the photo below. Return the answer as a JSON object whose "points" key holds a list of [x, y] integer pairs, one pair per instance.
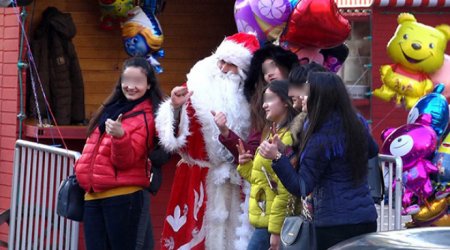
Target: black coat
{"points": [[59, 69]]}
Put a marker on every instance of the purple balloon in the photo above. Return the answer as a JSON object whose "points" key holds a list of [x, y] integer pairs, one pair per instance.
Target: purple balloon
{"points": [[273, 12], [411, 142], [245, 20], [414, 143]]}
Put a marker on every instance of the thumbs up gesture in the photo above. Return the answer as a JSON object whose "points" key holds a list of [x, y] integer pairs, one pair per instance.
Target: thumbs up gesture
{"points": [[114, 128], [221, 122], [270, 148]]}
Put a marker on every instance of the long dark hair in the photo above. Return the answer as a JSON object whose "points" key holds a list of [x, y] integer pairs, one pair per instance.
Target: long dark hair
{"points": [[281, 89], [154, 93], [254, 85], [327, 95]]}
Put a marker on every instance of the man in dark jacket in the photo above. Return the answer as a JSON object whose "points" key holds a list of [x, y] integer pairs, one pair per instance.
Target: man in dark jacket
{"points": [[58, 68]]}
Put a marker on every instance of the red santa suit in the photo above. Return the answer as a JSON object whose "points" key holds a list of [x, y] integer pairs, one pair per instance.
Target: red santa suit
{"points": [[205, 209]]}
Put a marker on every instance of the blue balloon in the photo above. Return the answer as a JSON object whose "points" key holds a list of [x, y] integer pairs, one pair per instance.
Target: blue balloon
{"points": [[136, 46], [434, 104]]}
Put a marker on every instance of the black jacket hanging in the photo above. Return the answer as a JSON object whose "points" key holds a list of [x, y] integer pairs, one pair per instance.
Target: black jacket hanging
{"points": [[58, 68]]}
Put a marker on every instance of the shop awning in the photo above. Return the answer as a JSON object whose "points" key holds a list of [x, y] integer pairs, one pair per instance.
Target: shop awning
{"points": [[354, 3], [411, 3]]}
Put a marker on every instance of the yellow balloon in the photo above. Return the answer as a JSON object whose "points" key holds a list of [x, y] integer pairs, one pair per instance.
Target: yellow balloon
{"points": [[426, 214]]}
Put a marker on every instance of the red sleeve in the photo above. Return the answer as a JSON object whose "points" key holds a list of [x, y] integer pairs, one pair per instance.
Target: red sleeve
{"points": [[232, 140]]}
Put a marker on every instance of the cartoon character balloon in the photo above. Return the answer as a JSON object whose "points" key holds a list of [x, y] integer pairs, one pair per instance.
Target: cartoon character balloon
{"points": [[434, 104], [266, 18], [142, 36], [417, 51], [114, 12], [414, 143]]}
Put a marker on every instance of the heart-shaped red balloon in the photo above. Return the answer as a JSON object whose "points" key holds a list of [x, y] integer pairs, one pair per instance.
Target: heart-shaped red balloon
{"points": [[316, 23]]}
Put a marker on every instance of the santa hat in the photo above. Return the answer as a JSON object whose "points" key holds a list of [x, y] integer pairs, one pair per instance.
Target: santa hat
{"points": [[238, 49]]}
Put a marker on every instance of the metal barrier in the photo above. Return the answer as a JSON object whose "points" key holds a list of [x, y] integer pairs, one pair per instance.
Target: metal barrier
{"points": [[34, 224], [390, 160]]}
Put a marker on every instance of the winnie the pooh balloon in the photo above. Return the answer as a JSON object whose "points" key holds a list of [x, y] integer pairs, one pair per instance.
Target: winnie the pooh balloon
{"points": [[417, 50]]}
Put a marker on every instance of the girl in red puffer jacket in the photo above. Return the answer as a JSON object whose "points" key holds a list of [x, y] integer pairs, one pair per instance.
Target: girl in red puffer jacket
{"points": [[113, 168]]}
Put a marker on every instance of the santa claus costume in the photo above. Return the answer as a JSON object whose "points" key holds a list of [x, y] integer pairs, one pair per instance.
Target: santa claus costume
{"points": [[205, 209]]}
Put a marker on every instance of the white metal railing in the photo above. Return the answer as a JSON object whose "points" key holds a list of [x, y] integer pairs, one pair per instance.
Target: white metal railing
{"points": [[391, 161], [34, 224]]}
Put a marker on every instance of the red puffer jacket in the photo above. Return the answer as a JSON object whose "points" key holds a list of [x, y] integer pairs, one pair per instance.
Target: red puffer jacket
{"points": [[108, 162]]}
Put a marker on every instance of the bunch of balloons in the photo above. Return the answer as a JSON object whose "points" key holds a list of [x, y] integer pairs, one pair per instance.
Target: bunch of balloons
{"points": [[141, 32], [313, 29], [426, 173]]}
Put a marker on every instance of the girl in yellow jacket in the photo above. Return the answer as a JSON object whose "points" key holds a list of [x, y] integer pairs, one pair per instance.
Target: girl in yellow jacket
{"points": [[268, 197]]}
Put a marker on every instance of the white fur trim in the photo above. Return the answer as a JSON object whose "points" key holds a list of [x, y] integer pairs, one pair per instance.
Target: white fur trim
{"points": [[185, 158], [245, 230], [234, 53], [165, 125]]}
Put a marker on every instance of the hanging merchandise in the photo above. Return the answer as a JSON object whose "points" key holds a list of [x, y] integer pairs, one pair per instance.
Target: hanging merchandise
{"points": [[113, 12], [314, 25], [417, 50], [266, 18], [414, 143], [142, 36], [434, 104], [58, 69]]}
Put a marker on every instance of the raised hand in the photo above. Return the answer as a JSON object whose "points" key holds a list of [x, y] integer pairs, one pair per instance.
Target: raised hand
{"points": [[179, 96], [221, 121], [268, 149], [276, 138], [244, 156], [114, 128]]}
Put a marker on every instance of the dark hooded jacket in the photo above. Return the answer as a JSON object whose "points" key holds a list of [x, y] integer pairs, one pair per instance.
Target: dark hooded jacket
{"points": [[58, 68]]}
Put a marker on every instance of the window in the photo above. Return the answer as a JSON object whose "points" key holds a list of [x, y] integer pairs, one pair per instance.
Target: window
{"points": [[355, 72]]}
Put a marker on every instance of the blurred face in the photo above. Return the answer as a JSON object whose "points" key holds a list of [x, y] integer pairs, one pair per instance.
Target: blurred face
{"points": [[271, 71], [297, 94], [134, 83], [305, 98], [274, 107], [226, 67]]}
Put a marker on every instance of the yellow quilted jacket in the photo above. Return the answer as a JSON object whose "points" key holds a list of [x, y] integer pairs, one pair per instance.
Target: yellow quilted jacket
{"points": [[267, 206]]}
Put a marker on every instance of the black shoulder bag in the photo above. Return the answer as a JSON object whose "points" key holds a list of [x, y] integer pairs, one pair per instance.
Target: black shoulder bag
{"points": [[70, 199], [298, 231]]}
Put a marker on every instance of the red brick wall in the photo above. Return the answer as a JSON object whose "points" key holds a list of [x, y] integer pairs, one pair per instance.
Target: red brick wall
{"points": [[384, 23], [9, 96]]}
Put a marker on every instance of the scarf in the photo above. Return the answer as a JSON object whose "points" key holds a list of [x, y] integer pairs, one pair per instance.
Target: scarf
{"points": [[113, 110]]}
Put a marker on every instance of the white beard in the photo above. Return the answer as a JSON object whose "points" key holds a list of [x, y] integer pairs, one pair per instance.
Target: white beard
{"points": [[215, 91]]}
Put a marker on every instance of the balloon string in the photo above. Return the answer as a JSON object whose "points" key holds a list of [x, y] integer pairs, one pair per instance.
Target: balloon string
{"points": [[33, 67], [384, 118]]}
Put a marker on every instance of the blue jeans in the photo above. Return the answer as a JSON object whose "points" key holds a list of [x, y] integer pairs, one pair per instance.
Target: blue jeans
{"points": [[260, 239], [112, 223]]}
